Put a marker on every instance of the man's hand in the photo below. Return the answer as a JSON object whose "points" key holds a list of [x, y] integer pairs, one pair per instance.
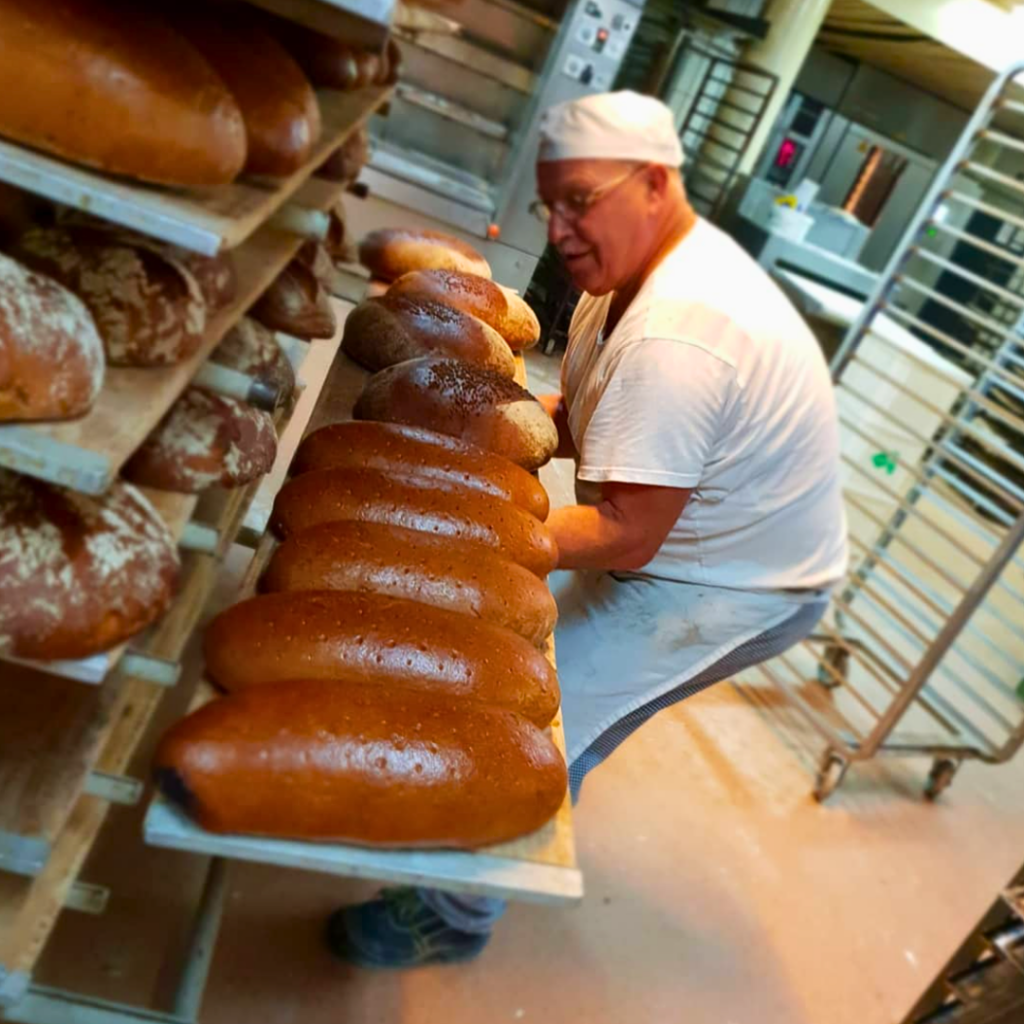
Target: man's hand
{"points": [[623, 532], [554, 406]]}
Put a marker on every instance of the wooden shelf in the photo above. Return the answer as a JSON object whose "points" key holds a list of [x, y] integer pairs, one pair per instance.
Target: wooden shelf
{"points": [[360, 22], [206, 220], [540, 867], [86, 454]]}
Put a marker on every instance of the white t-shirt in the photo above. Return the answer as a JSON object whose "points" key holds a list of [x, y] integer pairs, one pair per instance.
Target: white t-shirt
{"points": [[712, 381]]}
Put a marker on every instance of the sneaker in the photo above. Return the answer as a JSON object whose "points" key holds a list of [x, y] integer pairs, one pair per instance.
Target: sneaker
{"points": [[398, 930]]}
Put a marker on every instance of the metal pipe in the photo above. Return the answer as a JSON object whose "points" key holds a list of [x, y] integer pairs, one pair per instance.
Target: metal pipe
{"points": [[955, 268], [992, 211], [979, 243], [1001, 139]]}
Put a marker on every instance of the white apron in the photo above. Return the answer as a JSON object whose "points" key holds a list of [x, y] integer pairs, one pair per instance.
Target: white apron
{"points": [[623, 640]]}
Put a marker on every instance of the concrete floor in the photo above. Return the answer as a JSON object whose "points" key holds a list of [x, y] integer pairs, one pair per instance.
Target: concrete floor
{"points": [[718, 892]]}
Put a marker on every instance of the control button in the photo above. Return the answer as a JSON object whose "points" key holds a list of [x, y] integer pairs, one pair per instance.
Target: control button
{"points": [[617, 22], [602, 38], [616, 49], [587, 35], [602, 82], [587, 76], [627, 25], [573, 66], [592, 10]]}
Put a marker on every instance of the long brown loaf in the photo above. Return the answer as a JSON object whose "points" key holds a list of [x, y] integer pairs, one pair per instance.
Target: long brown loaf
{"points": [[382, 641], [375, 558], [382, 332], [282, 119], [440, 458], [147, 306], [468, 402], [314, 760], [78, 574], [364, 495], [111, 85], [391, 252], [508, 314], [51, 355]]}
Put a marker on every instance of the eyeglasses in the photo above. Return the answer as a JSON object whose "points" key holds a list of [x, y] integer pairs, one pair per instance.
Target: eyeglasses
{"points": [[575, 207]]}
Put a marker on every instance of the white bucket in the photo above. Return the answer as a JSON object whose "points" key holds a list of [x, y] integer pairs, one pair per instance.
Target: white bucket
{"points": [[789, 223]]}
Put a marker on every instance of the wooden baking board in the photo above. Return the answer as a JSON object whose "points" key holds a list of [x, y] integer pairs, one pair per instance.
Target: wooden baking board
{"points": [[540, 867], [206, 220], [86, 454]]}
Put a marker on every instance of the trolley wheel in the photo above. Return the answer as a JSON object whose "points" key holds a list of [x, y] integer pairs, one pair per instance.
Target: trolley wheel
{"points": [[939, 778], [837, 658], [830, 776]]}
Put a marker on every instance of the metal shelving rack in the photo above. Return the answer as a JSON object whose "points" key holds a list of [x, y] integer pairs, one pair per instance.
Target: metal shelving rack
{"points": [[922, 652]]}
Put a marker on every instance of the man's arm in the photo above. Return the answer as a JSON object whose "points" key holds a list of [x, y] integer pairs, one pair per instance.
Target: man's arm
{"points": [[554, 406], [623, 532]]}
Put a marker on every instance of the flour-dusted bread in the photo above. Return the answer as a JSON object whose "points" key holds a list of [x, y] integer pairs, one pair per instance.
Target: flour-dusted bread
{"points": [[205, 440], [111, 85], [314, 760], [251, 348], [382, 332], [376, 558], [297, 304], [442, 460], [381, 641], [503, 310], [282, 118], [78, 574], [365, 495], [392, 252], [148, 308], [468, 402], [51, 355]]}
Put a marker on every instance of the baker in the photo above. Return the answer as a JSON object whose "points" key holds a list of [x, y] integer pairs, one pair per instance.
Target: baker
{"points": [[699, 410]]}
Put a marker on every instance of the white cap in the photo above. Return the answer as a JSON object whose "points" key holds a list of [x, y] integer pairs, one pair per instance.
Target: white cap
{"points": [[611, 126]]}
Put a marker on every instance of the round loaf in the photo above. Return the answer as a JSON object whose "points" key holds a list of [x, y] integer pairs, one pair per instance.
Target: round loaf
{"points": [[215, 276], [327, 495], [382, 332], [251, 348], [381, 641], [282, 118], [317, 760], [392, 252], [51, 355], [457, 575], [115, 87], [329, 63], [204, 440], [508, 314], [468, 402], [147, 306], [297, 304], [78, 574], [442, 460]]}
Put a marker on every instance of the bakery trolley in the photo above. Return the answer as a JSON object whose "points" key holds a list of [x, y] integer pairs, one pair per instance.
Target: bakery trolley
{"points": [[922, 651]]}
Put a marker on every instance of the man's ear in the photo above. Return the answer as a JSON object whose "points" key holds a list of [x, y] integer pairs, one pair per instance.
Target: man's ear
{"points": [[658, 181]]}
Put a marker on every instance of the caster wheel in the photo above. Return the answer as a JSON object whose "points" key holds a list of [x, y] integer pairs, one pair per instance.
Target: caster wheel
{"points": [[838, 659], [940, 777], [831, 775]]}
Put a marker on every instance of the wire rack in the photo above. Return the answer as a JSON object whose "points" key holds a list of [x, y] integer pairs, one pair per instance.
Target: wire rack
{"points": [[922, 651]]}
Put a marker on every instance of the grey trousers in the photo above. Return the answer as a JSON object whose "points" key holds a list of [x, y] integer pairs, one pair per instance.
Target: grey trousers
{"points": [[478, 914]]}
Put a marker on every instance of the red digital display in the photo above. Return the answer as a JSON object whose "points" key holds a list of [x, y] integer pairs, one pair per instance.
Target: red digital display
{"points": [[786, 154]]}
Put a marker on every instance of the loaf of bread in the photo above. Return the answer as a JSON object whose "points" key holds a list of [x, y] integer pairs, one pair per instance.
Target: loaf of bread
{"points": [[314, 256], [204, 440], [251, 348], [296, 303], [365, 495], [282, 118], [111, 85], [375, 558], [337, 243], [381, 641], [382, 332], [78, 574], [346, 163], [315, 760], [508, 314], [468, 402], [392, 252], [148, 308], [442, 460], [51, 355]]}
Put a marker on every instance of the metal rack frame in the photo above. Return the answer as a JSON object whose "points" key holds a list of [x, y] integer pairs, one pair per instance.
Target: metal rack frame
{"points": [[922, 653]]}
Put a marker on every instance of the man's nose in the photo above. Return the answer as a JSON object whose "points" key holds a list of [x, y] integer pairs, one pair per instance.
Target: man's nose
{"points": [[559, 228]]}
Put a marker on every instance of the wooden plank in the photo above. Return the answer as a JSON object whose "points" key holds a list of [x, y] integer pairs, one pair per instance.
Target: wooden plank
{"points": [[540, 867], [86, 454], [475, 58], [206, 220]]}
